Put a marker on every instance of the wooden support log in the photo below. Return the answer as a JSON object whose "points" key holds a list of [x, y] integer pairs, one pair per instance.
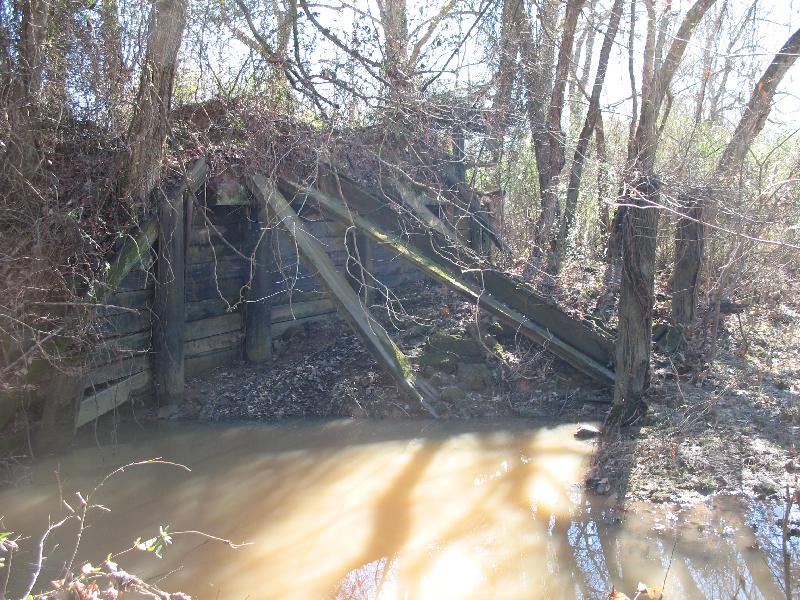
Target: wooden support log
{"points": [[479, 273], [170, 300], [370, 331], [63, 394], [258, 307], [485, 299]]}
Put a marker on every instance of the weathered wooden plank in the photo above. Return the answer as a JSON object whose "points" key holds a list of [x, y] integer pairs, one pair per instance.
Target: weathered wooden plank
{"points": [[119, 369], [222, 268], [135, 342], [223, 341], [200, 236], [370, 331], [119, 301], [213, 307], [299, 310], [110, 398], [137, 279], [213, 326], [202, 364], [229, 288], [296, 297], [123, 323], [203, 253]]}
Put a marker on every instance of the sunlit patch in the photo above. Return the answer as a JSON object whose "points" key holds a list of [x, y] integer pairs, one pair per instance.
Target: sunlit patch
{"points": [[455, 573]]}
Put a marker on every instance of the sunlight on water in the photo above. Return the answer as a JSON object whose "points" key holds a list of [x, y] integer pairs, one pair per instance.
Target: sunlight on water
{"points": [[387, 510]]}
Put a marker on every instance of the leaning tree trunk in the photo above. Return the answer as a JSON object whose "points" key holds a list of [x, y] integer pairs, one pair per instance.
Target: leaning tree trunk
{"points": [[141, 167], [758, 108]]}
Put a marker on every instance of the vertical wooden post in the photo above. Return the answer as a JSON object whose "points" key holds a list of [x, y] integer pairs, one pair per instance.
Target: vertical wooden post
{"points": [[170, 303], [360, 264], [258, 310], [689, 242]]}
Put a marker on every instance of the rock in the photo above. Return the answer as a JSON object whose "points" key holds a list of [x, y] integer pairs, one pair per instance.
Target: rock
{"points": [[438, 360], [168, 411], [585, 432], [474, 377], [451, 393], [451, 343]]}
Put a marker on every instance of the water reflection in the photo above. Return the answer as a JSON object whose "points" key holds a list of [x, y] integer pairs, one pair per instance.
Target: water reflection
{"points": [[352, 510]]}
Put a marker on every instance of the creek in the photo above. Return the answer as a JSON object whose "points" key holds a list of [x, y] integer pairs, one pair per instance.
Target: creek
{"points": [[382, 509]]}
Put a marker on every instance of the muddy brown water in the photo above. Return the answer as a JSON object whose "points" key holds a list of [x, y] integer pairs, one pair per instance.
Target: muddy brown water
{"points": [[389, 509]]}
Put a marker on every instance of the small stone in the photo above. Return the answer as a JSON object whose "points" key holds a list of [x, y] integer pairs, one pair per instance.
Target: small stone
{"points": [[474, 377], [451, 393], [585, 432]]}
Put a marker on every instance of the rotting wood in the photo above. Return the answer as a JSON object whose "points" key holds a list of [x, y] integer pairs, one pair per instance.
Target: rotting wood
{"points": [[170, 301], [134, 249], [222, 341], [197, 330], [484, 298], [119, 369], [300, 310], [110, 398], [203, 363], [369, 330], [258, 306]]}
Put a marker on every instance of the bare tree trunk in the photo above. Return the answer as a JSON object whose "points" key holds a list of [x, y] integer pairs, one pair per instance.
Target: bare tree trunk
{"points": [[602, 177], [632, 76], [689, 243], [396, 60], [639, 233], [573, 189], [639, 230], [141, 168], [512, 19], [26, 86], [548, 217], [537, 64]]}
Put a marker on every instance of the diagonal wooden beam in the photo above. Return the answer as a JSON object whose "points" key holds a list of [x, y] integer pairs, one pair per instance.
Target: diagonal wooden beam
{"points": [[505, 312], [375, 338]]}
